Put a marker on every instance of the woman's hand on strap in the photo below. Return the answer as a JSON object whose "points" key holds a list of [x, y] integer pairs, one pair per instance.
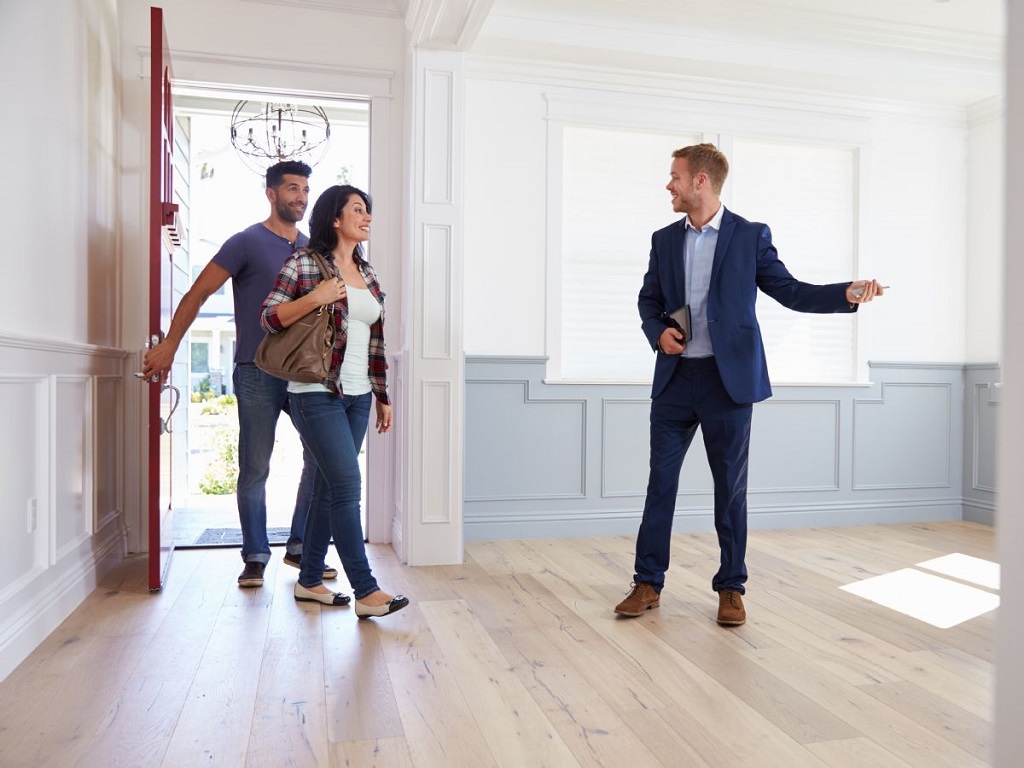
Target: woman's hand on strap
{"points": [[328, 291]]}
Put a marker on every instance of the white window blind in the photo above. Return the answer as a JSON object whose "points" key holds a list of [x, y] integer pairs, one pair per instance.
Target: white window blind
{"points": [[806, 194], [614, 198]]}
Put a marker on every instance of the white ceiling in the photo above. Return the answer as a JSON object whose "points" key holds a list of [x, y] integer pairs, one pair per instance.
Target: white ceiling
{"points": [[943, 52]]}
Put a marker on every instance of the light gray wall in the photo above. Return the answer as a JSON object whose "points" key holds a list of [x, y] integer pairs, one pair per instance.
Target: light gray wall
{"points": [[571, 459]]}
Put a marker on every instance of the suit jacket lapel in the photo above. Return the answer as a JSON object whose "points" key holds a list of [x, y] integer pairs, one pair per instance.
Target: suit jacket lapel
{"points": [[724, 236], [680, 264]]}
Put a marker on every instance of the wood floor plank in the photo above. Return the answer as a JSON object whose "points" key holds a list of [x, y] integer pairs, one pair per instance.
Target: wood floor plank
{"points": [[790, 711], [439, 726], [957, 726], [137, 726], [216, 719], [588, 724], [360, 700], [612, 675], [60, 713], [516, 730], [371, 753], [676, 738], [861, 644], [854, 753], [142, 715], [516, 658], [504, 557], [909, 741], [690, 687], [289, 724], [408, 638]]}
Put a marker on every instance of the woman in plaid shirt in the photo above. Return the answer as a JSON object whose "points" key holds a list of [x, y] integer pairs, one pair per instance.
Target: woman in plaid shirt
{"points": [[332, 416]]}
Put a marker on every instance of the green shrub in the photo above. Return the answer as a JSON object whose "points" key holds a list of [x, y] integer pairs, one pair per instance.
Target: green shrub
{"points": [[221, 476]]}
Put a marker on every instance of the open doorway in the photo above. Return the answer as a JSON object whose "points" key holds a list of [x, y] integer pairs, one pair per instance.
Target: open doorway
{"points": [[225, 195]]}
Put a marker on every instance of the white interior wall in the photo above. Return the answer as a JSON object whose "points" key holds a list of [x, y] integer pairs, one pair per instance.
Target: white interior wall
{"points": [[985, 215], [916, 176], [60, 368], [505, 212], [61, 153]]}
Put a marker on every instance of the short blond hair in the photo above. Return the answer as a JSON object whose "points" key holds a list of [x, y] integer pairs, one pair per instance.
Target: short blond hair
{"points": [[706, 158]]}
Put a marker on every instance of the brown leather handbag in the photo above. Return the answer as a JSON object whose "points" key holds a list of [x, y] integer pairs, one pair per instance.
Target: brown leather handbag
{"points": [[302, 351]]}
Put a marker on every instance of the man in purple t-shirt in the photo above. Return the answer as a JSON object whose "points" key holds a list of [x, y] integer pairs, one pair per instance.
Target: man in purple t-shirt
{"points": [[252, 258]]}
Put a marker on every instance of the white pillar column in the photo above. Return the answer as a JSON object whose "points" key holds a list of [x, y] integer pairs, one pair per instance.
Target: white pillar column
{"points": [[1009, 736], [430, 375]]}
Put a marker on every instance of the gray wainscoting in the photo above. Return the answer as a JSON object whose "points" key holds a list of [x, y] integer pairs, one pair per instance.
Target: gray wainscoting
{"points": [[571, 459], [981, 401]]}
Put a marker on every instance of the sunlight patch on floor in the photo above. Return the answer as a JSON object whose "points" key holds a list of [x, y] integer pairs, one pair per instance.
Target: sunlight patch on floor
{"points": [[937, 601], [984, 573]]}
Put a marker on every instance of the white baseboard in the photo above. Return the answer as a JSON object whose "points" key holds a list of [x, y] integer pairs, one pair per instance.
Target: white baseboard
{"points": [[65, 586]]}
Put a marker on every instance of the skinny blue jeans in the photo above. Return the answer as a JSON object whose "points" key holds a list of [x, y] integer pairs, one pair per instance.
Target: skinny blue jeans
{"points": [[332, 430]]}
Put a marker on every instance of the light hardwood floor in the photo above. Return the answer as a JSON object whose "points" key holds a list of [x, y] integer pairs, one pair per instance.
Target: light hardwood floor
{"points": [[516, 659]]}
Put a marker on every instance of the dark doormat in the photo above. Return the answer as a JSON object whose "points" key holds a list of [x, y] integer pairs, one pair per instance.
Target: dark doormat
{"points": [[232, 537]]}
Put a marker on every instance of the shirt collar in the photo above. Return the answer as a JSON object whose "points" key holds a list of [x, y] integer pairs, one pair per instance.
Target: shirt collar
{"points": [[715, 223]]}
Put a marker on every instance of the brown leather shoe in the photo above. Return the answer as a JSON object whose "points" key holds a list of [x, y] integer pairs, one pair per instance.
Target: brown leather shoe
{"points": [[641, 598], [731, 612]]}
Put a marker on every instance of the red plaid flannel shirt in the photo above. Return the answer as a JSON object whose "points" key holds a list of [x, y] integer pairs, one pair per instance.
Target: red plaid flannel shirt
{"points": [[300, 275]]}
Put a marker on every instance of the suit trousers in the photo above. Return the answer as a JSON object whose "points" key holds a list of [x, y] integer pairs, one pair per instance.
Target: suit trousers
{"points": [[695, 396]]}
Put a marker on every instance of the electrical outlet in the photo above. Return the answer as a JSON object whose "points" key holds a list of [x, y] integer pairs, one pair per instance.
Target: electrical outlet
{"points": [[33, 515]]}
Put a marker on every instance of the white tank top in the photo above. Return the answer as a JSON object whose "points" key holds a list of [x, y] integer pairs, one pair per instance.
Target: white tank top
{"points": [[354, 377]]}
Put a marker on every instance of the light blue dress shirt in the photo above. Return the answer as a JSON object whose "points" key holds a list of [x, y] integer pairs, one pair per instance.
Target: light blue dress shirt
{"points": [[700, 256]]}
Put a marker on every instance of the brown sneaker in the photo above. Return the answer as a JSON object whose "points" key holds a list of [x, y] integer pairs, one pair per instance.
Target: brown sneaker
{"points": [[641, 598], [731, 612]]}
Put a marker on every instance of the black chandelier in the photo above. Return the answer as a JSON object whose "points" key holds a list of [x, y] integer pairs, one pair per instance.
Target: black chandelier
{"points": [[268, 133]]}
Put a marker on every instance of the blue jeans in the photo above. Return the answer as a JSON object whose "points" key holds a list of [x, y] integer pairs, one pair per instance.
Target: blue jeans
{"points": [[261, 398], [333, 429], [695, 396]]}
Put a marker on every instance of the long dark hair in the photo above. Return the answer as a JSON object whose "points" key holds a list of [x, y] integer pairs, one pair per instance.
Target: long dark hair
{"points": [[322, 235]]}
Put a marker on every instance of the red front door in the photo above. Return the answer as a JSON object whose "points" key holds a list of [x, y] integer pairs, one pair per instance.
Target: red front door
{"points": [[163, 397]]}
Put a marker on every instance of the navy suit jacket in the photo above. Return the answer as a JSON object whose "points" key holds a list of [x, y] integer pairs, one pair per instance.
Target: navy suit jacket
{"points": [[745, 261]]}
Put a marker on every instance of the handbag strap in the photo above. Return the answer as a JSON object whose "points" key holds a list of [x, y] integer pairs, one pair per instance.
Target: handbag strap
{"points": [[325, 273]]}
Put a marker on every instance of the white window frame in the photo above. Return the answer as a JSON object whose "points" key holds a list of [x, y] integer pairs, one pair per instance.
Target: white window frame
{"points": [[716, 123]]}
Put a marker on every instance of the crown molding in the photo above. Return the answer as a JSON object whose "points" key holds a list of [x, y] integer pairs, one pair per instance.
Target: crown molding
{"points": [[446, 24], [584, 78], [385, 8]]}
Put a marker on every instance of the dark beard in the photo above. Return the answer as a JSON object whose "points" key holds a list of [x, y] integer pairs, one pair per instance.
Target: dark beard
{"points": [[286, 214]]}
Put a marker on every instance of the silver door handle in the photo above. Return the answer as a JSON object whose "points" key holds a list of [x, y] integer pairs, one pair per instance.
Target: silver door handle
{"points": [[165, 424], [153, 340]]}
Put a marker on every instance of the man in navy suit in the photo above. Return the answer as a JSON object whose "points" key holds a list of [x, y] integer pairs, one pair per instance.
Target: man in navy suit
{"points": [[713, 261]]}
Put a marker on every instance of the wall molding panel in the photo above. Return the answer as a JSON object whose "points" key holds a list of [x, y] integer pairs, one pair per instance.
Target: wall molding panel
{"points": [[71, 457], [436, 302], [982, 385], [912, 423], [62, 471], [526, 449], [885, 452]]}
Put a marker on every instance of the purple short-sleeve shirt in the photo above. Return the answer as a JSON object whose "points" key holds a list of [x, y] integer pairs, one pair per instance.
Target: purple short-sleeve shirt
{"points": [[253, 257]]}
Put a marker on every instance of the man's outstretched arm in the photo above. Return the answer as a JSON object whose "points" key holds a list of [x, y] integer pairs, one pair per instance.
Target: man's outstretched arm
{"points": [[158, 359]]}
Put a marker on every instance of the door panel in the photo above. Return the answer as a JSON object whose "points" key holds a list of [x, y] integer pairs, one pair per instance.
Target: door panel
{"points": [[163, 239]]}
